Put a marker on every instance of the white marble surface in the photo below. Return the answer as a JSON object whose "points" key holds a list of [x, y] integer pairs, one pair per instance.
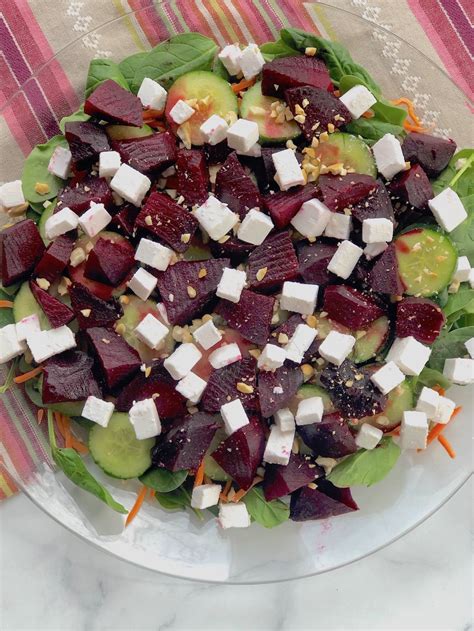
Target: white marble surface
{"points": [[51, 580]]}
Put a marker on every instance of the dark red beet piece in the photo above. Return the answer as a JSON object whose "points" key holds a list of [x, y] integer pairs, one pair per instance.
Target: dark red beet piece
{"points": [[281, 480], [169, 221], [124, 220], [69, 377], [173, 285], [284, 205], [86, 140], [294, 72], [288, 328], [323, 108], [217, 154], [21, 247], [342, 191], [431, 152], [111, 102], [376, 205], [241, 453], [101, 290], [118, 360], [234, 248], [350, 307], [325, 501], [313, 262], [55, 259], [236, 188], [102, 312], [412, 187], [384, 276], [251, 316], [185, 442], [149, 154], [222, 384], [110, 262], [56, 311], [278, 255], [419, 317], [193, 176], [287, 379], [79, 197], [331, 438]]}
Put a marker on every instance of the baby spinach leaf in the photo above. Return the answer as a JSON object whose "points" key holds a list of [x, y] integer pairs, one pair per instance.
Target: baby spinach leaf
{"points": [[429, 378], [6, 314], [366, 467], [178, 499], [102, 69], [459, 304], [9, 378], [274, 50], [219, 69], [162, 480], [78, 115], [35, 169], [267, 514], [449, 344], [129, 66], [383, 109], [372, 129]]}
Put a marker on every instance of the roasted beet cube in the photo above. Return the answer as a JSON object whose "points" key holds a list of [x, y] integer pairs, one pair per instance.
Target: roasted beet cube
{"points": [[322, 108], [167, 220], [109, 261], [419, 317], [109, 101], [236, 188], [294, 72], [56, 311], [342, 191], [277, 256], [284, 205], [217, 154], [21, 247], [330, 438], [222, 384], [124, 220], [55, 258], [350, 307], [313, 262], [384, 276], [281, 480], [78, 197], [69, 377], [251, 316], [173, 287], [377, 205], [86, 140], [92, 311], [276, 389], [185, 442], [193, 176], [325, 501], [233, 248], [149, 154], [412, 187], [430, 152]]}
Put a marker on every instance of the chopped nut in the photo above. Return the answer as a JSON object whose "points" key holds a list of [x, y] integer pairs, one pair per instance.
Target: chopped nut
{"points": [[191, 291], [185, 238], [407, 165], [86, 312], [283, 338], [202, 272], [255, 352], [105, 340], [300, 118], [312, 485], [349, 383], [310, 51], [312, 321], [19, 210], [299, 109], [327, 463], [147, 371], [77, 257], [324, 136], [331, 128], [261, 273], [257, 111], [315, 142], [155, 395], [43, 283], [148, 220], [280, 119], [305, 103], [290, 144], [63, 285], [41, 188], [307, 370], [245, 388], [120, 328], [315, 126], [124, 300]]}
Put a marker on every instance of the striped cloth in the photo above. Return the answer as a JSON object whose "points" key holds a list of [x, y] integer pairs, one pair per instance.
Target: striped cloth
{"points": [[32, 32]]}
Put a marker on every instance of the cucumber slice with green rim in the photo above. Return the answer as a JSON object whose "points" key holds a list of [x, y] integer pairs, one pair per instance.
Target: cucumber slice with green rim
{"points": [[45, 215], [116, 449], [309, 390], [256, 107], [426, 261], [351, 151], [25, 305], [372, 340], [124, 132], [211, 468]]}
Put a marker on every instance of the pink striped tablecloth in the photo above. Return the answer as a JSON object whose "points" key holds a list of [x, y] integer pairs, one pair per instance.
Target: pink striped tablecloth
{"points": [[31, 33]]}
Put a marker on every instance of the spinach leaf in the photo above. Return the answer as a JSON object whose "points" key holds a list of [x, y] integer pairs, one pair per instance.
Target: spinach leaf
{"points": [[102, 69], [372, 129], [219, 69], [178, 499], [449, 344], [6, 314], [78, 115], [72, 465], [383, 109], [274, 50], [162, 480], [9, 378], [459, 304], [366, 467], [429, 378], [267, 514], [129, 66], [11, 290], [35, 169]]}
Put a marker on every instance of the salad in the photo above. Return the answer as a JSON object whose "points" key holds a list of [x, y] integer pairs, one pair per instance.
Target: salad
{"points": [[244, 275]]}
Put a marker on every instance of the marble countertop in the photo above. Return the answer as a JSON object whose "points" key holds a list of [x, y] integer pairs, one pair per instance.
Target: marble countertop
{"points": [[51, 580]]}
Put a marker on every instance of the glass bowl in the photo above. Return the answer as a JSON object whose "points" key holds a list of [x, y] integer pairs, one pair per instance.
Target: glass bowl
{"points": [[177, 544]]}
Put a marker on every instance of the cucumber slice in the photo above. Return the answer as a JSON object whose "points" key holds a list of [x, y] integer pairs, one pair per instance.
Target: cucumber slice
{"points": [[124, 132], [117, 450], [213, 94], [399, 400], [211, 468], [348, 149], [309, 390], [426, 261], [270, 131], [25, 305], [45, 215], [372, 341]]}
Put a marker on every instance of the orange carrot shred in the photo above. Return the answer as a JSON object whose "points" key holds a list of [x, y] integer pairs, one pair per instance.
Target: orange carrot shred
{"points": [[6, 304], [26, 376], [199, 477], [136, 507], [225, 492], [242, 492], [447, 445], [242, 85], [368, 114], [40, 415], [152, 493], [67, 431], [439, 390]]}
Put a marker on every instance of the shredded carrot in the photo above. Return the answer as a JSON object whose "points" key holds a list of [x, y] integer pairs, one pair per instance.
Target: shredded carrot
{"points": [[199, 477], [447, 445], [418, 128], [439, 390], [66, 423], [136, 507], [242, 85], [6, 304], [225, 492], [40, 415], [64, 427], [415, 125], [152, 114], [26, 376], [207, 479], [439, 427], [368, 114], [242, 492], [152, 493], [337, 93], [395, 431]]}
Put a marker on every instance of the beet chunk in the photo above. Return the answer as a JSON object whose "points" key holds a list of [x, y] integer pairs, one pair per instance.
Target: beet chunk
{"points": [[384, 276], [430, 152], [69, 377], [330, 438], [342, 191], [251, 316], [235, 188], [101, 312], [111, 102], [325, 501], [80, 196], [412, 187], [110, 262], [278, 256], [193, 176], [323, 108], [222, 384], [376, 205], [185, 442], [56, 311], [149, 154], [294, 72], [167, 220], [284, 205], [350, 307], [313, 262], [55, 259], [285, 381], [21, 247], [233, 248], [419, 317], [86, 140], [217, 154], [124, 220], [281, 480]]}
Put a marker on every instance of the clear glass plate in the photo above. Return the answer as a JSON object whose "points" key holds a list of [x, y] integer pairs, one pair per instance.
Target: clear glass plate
{"points": [[178, 544]]}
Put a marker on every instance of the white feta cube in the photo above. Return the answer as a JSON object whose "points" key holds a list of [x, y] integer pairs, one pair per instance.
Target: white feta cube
{"points": [[234, 416], [388, 377], [215, 218], [309, 411], [288, 170], [242, 134], [470, 346], [339, 226], [251, 61], [10, 346], [98, 410], [151, 331], [413, 430], [225, 355], [45, 344], [230, 56], [345, 259], [368, 436], [130, 184], [463, 267], [255, 227], [109, 163], [233, 515], [271, 358], [377, 230], [26, 326], [459, 370], [142, 283], [448, 209], [374, 249], [358, 100], [428, 402], [284, 420], [278, 447], [336, 347], [207, 335], [205, 495], [11, 194], [153, 254], [191, 387], [60, 223], [444, 411], [300, 342], [388, 156], [214, 129], [409, 355], [311, 219], [144, 417], [255, 151], [182, 360], [60, 162], [181, 112], [231, 284], [471, 278], [95, 219], [152, 94], [299, 297]]}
